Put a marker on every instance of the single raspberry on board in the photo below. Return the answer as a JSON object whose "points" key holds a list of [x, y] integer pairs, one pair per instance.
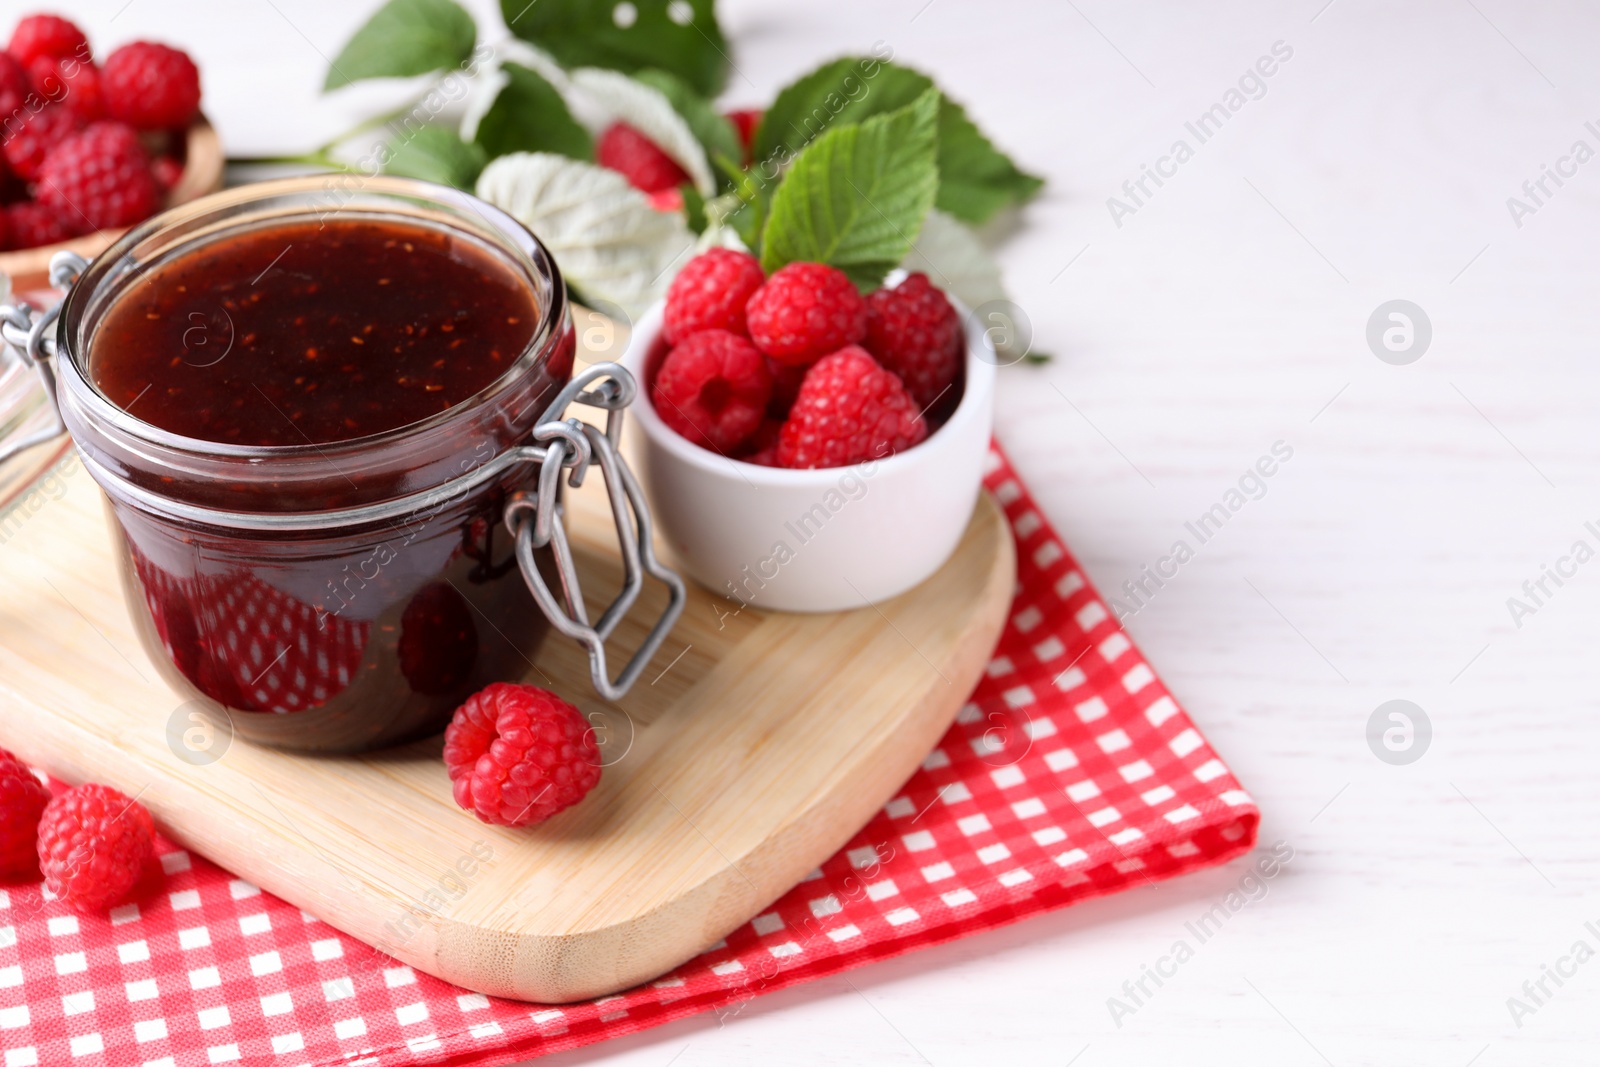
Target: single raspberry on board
{"points": [[849, 410], [713, 389], [637, 158], [804, 311], [100, 177], [32, 135], [94, 843], [151, 87], [69, 83], [710, 293], [518, 754], [50, 36], [33, 225], [913, 331], [22, 800]]}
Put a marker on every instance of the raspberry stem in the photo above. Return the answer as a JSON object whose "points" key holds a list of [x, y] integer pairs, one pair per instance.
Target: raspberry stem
{"points": [[322, 155], [310, 159]]}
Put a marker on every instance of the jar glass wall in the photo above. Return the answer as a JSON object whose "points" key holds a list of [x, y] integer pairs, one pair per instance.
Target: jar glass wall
{"points": [[336, 596]]}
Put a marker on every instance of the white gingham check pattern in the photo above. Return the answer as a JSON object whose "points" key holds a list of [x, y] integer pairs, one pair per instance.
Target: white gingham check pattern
{"points": [[1071, 773]]}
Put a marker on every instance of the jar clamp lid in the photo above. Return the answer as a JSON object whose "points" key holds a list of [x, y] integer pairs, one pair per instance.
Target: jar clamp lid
{"points": [[561, 443]]}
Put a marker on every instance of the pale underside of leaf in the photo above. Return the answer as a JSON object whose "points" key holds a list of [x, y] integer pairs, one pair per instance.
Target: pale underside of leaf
{"points": [[599, 98], [953, 258], [605, 236]]}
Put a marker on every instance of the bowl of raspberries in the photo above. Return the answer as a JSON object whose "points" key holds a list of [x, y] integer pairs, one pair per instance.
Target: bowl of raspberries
{"points": [[808, 446], [90, 145]]}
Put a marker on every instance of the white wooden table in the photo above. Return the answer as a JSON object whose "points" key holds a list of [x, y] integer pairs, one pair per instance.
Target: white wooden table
{"points": [[1228, 312]]}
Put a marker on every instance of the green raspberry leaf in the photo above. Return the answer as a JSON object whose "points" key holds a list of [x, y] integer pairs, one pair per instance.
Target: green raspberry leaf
{"points": [[694, 208], [629, 37], [711, 128], [529, 115], [843, 92], [405, 38], [975, 179], [745, 207], [437, 154], [857, 196]]}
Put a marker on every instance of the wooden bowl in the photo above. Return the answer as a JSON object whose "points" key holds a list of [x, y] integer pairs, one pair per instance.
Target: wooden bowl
{"points": [[202, 173]]}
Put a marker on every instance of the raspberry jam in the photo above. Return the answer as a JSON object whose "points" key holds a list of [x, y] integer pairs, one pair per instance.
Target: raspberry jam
{"points": [[298, 414], [312, 333]]}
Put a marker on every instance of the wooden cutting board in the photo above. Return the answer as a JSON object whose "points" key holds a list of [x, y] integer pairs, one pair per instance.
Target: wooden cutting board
{"points": [[751, 749]]}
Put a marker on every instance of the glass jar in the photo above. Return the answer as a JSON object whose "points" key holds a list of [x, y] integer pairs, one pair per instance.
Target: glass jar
{"points": [[345, 596]]}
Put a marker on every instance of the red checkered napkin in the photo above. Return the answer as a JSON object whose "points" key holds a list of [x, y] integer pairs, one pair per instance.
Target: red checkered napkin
{"points": [[1070, 774]]}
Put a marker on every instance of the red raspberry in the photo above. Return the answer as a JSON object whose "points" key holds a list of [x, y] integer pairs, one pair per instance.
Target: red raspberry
{"points": [[637, 158], [805, 311], [713, 389], [34, 134], [710, 293], [746, 122], [518, 755], [151, 87], [94, 843], [100, 177], [168, 171], [849, 410], [70, 83], [22, 800], [15, 85], [47, 35], [913, 331], [666, 201], [33, 225]]}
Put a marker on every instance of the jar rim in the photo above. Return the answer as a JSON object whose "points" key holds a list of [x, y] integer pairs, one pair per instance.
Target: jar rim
{"points": [[371, 195]]}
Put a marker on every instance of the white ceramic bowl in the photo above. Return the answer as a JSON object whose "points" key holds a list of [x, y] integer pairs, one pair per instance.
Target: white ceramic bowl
{"points": [[815, 540]]}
